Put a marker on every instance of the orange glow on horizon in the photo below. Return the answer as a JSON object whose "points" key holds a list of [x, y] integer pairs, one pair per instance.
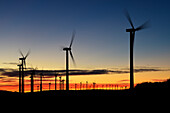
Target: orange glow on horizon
{"points": [[105, 81], [76, 86]]}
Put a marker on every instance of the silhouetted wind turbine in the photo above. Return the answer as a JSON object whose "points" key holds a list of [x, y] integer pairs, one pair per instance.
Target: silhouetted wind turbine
{"points": [[68, 49], [32, 79], [23, 59], [56, 81], [132, 37], [20, 66], [41, 75]]}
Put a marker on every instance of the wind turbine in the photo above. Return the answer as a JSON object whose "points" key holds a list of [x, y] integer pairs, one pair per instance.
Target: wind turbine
{"points": [[20, 66], [68, 50], [56, 81], [41, 75], [23, 59], [132, 37], [32, 79]]}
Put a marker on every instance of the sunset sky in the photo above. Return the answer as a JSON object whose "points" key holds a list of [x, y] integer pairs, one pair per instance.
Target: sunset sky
{"points": [[101, 45]]}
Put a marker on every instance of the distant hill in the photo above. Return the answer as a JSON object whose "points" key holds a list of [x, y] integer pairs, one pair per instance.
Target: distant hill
{"points": [[153, 89], [155, 85]]}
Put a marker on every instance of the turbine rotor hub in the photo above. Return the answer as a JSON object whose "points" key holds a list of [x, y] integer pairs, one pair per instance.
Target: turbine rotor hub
{"points": [[67, 49], [21, 59], [130, 30]]}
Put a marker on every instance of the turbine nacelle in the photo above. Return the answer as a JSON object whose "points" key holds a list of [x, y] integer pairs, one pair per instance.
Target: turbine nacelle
{"points": [[19, 65], [131, 30], [66, 49], [21, 58]]}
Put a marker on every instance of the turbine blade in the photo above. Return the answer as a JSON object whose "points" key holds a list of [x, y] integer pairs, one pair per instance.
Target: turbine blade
{"points": [[27, 54], [73, 35], [25, 64], [129, 18], [72, 58], [143, 26], [21, 53]]}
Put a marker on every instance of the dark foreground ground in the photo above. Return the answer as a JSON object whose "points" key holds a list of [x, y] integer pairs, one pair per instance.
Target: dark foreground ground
{"points": [[144, 92]]}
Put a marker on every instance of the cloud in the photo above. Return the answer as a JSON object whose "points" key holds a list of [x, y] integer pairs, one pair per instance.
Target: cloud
{"points": [[72, 72], [96, 72], [89, 72], [10, 63], [10, 74], [7, 81], [125, 80], [14, 73], [159, 80], [6, 69], [147, 70], [2, 70]]}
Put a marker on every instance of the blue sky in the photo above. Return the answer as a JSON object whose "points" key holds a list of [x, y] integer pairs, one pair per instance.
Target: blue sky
{"points": [[44, 26]]}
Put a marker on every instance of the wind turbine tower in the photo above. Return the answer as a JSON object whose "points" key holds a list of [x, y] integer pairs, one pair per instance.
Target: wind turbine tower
{"points": [[68, 50], [132, 37], [32, 81], [23, 59], [41, 75], [20, 83], [55, 81]]}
